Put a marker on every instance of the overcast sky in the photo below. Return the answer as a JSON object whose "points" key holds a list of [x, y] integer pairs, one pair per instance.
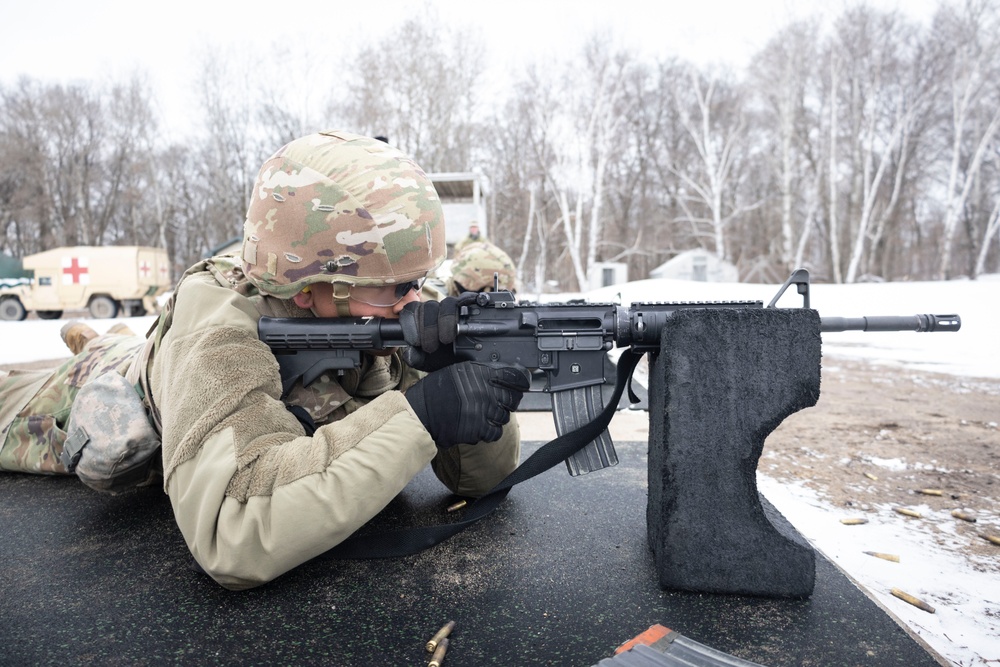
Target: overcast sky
{"points": [[72, 41]]}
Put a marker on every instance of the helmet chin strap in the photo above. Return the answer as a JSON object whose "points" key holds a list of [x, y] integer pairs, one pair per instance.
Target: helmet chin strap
{"points": [[341, 296]]}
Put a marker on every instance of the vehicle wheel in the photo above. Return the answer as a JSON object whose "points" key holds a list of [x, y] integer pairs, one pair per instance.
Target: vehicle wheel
{"points": [[12, 310], [49, 314], [103, 307]]}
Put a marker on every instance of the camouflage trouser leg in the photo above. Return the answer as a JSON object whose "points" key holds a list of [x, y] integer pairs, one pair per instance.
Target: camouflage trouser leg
{"points": [[472, 470], [35, 405]]}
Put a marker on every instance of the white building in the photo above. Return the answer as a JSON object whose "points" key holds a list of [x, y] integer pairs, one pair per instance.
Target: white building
{"points": [[699, 264], [463, 200], [604, 274]]}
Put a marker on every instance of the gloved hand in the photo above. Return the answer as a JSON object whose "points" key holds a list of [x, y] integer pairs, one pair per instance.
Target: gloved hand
{"points": [[468, 401], [429, 329]]}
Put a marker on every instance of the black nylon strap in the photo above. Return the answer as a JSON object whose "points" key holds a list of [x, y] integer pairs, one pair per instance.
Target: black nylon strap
{"points": [[304, 418], [408, 541]]}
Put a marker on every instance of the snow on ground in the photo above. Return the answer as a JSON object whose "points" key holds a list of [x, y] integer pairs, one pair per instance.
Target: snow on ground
{"points": [[38, 340], [965, 625], [965, 628]]}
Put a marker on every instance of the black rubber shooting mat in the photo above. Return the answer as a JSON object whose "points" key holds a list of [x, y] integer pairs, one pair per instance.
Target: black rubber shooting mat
{"points": [[561, 574]]}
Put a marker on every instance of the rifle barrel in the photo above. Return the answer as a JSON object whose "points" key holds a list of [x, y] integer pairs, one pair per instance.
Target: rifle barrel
{"points": [[892, 323]]}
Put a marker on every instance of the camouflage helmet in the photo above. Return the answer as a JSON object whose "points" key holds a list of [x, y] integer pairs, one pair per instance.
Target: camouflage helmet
{"points": [[473, 268], [337, 207]]}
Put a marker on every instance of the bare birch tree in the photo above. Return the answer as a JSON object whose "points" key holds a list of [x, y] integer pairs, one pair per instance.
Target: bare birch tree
{"points": [[426, 101], [639, 227], [885, 98], [568, 132], [521, 154], [710, 109], [26, 215], [968, 43], [782, 76], [232, 144], [75, 149], [991, 233]]}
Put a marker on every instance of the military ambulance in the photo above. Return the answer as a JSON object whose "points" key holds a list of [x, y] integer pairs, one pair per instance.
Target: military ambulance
{"points": [[101, 279]]}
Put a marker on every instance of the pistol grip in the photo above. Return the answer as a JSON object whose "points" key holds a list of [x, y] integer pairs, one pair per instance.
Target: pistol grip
{"points": [[572, 408]]}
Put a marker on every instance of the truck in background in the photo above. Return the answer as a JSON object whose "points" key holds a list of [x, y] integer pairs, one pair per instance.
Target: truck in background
{"points": [[102, 279]]}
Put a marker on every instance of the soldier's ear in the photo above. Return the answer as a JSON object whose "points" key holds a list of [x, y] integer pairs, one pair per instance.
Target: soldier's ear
{"points": [[304, 299]]}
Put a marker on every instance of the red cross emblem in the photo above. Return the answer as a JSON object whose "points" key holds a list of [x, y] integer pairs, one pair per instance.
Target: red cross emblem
{"points": [[144, 268], [75, 271]]}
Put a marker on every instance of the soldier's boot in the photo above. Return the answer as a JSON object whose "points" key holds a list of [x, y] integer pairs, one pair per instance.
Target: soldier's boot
{"points": [[121, 329], [76, 335]]}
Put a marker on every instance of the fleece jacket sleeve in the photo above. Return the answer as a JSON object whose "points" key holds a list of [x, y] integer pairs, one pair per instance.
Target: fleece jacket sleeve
{"points": [[252, 494]]}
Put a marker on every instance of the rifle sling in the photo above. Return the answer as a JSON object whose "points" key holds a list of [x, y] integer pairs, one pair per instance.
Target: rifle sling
{"points": [[408, 541]]}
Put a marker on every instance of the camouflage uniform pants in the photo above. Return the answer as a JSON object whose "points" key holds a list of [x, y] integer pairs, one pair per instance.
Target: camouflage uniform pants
{"points": [[35, 405]]}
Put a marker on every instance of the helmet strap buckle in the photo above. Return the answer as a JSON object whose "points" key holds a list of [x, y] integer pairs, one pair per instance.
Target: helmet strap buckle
{"points": [[341, 296]]}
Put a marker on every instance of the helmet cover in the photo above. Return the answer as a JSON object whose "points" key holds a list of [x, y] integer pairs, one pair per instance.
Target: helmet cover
{"points": [[474, 266], [340, 208]]}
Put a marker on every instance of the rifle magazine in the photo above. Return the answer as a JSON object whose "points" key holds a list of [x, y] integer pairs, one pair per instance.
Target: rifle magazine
{"points": [[571, 409]]}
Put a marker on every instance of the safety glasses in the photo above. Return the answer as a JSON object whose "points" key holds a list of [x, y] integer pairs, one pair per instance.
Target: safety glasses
{"points": [[385, 296]]}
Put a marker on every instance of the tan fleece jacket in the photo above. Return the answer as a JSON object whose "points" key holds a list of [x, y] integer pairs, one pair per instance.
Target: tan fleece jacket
{"points": [[252, 494]]}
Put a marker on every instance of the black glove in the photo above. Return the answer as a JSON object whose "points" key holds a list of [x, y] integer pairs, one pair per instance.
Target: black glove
{"points": [[468, 401], [429, 328]]}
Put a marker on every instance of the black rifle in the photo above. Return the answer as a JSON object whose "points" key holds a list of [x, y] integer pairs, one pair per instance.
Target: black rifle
{"points": [[566, 341]]}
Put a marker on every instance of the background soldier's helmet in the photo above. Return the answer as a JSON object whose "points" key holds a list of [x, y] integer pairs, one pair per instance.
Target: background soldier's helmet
{"points": [[340, 208], [473, 267]]}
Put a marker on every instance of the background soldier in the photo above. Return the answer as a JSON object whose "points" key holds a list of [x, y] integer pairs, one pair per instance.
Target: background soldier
{"points": [[474, 267], [474, 237]]}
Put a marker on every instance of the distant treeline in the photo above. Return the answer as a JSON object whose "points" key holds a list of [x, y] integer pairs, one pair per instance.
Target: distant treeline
{"points": [[865, 148]]}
